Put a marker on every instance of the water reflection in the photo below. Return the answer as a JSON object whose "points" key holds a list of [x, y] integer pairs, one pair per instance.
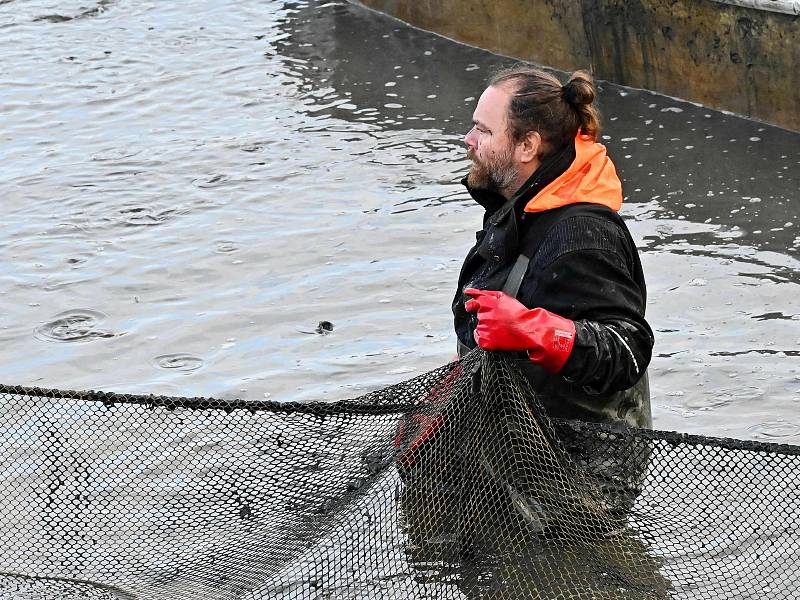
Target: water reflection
{"points": [[680, 159], [386, 73], [709, 196], [230, 169]]}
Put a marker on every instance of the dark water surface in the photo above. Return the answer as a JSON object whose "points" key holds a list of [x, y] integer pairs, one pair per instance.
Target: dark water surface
{"points": [[188, 192]]}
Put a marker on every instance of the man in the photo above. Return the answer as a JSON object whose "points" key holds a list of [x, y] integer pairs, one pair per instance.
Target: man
{"points": [[554, 281], [554, 278]]}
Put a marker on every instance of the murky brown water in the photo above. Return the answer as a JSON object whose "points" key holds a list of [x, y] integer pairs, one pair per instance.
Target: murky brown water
{"points": [[187, 193]]}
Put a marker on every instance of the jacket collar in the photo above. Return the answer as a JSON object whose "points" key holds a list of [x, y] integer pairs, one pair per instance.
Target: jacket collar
{"points": [[581, 172], [590, 178], [497, 206], [502, 229]]}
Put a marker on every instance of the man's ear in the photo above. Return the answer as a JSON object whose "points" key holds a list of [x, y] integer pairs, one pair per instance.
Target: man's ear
{"points": [[530, 147]]}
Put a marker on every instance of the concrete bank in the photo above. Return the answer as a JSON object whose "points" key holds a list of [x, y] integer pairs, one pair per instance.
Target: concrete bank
{"points": [[736, 55]]}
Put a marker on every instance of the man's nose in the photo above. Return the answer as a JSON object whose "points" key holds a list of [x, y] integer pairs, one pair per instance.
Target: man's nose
{"points": [[469, 139]]}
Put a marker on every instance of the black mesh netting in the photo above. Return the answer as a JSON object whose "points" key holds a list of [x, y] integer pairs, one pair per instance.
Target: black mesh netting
{"points": [[451, 485]]}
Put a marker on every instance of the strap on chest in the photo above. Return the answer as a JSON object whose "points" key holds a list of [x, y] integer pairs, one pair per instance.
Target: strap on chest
{"points": [[515, 276]]}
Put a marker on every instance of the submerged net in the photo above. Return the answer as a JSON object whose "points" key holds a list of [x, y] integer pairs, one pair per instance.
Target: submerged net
{"points": [[451, 485]]}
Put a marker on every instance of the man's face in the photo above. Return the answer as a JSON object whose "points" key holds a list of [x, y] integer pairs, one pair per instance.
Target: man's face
{"points": [[489, 146]]}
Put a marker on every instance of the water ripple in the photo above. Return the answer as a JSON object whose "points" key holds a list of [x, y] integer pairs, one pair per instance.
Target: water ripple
{"points": [[226, 247], [185, 363], [211, 181], [143, 216], [101, 7], [77, 325], [776, 430]]}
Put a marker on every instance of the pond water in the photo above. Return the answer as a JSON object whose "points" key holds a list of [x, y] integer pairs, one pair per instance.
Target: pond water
{"points": [[188, 193]]}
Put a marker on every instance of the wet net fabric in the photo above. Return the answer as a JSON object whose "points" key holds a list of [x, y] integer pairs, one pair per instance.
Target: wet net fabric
{"points": [[451, 485]]}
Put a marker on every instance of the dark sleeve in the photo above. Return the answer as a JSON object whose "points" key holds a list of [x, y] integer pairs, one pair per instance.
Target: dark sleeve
{"points": [[588, 271]]}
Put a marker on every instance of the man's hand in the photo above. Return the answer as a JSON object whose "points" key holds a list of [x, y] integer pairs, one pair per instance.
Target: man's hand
{"points": [[504, 323]]}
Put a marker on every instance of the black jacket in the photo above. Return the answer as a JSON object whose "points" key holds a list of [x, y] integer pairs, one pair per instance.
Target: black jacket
{"points": [[584, 266]]}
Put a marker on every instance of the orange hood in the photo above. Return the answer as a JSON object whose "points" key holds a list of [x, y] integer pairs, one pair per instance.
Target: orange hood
{"points": [[590, 178]]}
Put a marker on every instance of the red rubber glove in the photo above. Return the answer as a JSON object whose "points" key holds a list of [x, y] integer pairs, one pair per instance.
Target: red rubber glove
{"points": [[504, 323]]}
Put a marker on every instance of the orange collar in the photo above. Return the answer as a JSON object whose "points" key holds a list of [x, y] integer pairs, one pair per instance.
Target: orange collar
{"points": [[590, 178]]}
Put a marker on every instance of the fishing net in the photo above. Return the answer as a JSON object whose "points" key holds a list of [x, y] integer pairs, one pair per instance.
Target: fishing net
{"points": [[454, 484]]}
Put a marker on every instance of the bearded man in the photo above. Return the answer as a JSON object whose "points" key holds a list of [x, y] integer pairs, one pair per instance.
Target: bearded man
{"points": [[554, 278]]}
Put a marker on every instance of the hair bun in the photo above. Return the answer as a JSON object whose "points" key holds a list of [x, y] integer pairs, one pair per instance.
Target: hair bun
{"points": [[579, 90]]}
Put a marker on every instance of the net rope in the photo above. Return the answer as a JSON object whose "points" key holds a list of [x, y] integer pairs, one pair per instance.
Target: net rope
{"points": [[454, 484]]}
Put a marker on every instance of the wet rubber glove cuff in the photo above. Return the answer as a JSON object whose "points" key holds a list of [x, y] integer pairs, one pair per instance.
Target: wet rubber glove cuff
{"points": [[504, 323], [556, 341]]}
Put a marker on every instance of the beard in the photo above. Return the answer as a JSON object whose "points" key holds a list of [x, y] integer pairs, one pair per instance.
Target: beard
{"points": [[496, 174]]}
